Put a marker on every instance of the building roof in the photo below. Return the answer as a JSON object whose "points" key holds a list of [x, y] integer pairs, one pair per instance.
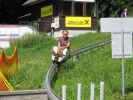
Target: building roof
{"points": [[81, 0], [32, 2]]}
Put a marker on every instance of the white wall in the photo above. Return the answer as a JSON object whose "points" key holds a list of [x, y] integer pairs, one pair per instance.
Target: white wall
{"points": [[8, 32]]}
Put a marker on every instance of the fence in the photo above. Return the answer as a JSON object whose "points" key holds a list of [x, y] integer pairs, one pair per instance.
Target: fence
{"points": [[24, 95], [79, 91]]}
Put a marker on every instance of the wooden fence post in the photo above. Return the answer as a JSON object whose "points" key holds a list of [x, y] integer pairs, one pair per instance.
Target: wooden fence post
{"points": [[92, 91], [79, 93], [101, 90], [64, 95]]}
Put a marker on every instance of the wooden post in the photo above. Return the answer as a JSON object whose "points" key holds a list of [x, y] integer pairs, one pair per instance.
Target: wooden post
{"points": [[84, 8], [101, 90], [64, 92], [73, 8], [92, 91], [79, 97]]}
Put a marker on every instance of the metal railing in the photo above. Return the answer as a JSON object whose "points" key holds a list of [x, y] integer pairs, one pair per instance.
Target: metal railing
{"points": [[54, 67]]}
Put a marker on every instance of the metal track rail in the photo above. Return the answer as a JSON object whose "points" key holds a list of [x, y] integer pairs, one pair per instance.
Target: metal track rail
{"points": [[54, 67], [89, 47]]}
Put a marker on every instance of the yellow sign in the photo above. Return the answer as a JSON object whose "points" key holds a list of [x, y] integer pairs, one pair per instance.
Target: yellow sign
{"points": [[47, 11], [78, 22]]}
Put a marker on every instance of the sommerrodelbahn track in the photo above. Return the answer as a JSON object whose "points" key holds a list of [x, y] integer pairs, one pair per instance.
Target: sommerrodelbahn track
{"points": [[54, 67]]}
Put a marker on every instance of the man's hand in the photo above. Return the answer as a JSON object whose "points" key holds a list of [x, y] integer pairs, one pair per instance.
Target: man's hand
{"points": [[62, 48]]}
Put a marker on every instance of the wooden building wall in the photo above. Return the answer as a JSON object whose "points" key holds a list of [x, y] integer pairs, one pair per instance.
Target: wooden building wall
{"points": [[61, 9]]}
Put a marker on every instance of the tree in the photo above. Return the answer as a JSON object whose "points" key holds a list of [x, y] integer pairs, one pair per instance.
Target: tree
{"points": [[108, 8]]}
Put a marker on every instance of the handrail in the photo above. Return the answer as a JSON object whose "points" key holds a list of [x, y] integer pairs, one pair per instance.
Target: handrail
{"points": [[54, 67]]}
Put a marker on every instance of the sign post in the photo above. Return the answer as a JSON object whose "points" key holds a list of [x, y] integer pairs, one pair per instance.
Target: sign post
{"points": [[121, 29], [122, 67]]}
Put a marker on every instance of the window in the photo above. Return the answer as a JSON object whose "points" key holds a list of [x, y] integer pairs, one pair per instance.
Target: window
{"points": [[66, 8], [78, 9], [89, 7]]}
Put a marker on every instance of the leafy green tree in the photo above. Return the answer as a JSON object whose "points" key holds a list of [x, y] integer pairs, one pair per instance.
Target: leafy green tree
{"points": [[108, 8]]}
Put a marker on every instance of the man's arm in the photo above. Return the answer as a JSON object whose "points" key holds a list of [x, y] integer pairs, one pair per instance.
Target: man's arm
{"points": [[68, 44], [59, 42]]}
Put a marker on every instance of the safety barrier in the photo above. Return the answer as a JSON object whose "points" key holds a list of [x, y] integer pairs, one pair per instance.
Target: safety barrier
{"points": [[54, 67], [24, 95], [79, 91]]}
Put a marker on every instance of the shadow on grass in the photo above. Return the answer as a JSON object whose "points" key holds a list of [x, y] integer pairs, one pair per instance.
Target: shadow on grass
{"points": [[66, 67], [129, 90]]}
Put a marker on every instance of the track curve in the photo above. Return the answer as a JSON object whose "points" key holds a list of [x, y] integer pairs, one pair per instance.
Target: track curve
{"points": [[54, 67]]}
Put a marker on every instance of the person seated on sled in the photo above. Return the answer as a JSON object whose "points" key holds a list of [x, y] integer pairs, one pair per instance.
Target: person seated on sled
{"points": [[60, 51]]}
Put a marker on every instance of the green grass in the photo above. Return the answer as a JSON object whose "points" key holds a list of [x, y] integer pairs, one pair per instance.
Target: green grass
{"points": [[35, 58], [94, 67], [83, 40]]}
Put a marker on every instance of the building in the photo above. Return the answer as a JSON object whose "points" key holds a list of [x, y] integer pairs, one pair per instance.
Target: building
{"points": [[65, 14]]}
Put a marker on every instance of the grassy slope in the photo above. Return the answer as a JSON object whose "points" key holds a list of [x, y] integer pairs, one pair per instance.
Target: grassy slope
{"points": [[34, 54], [35, 59], [85, 39], [94, 67]]}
